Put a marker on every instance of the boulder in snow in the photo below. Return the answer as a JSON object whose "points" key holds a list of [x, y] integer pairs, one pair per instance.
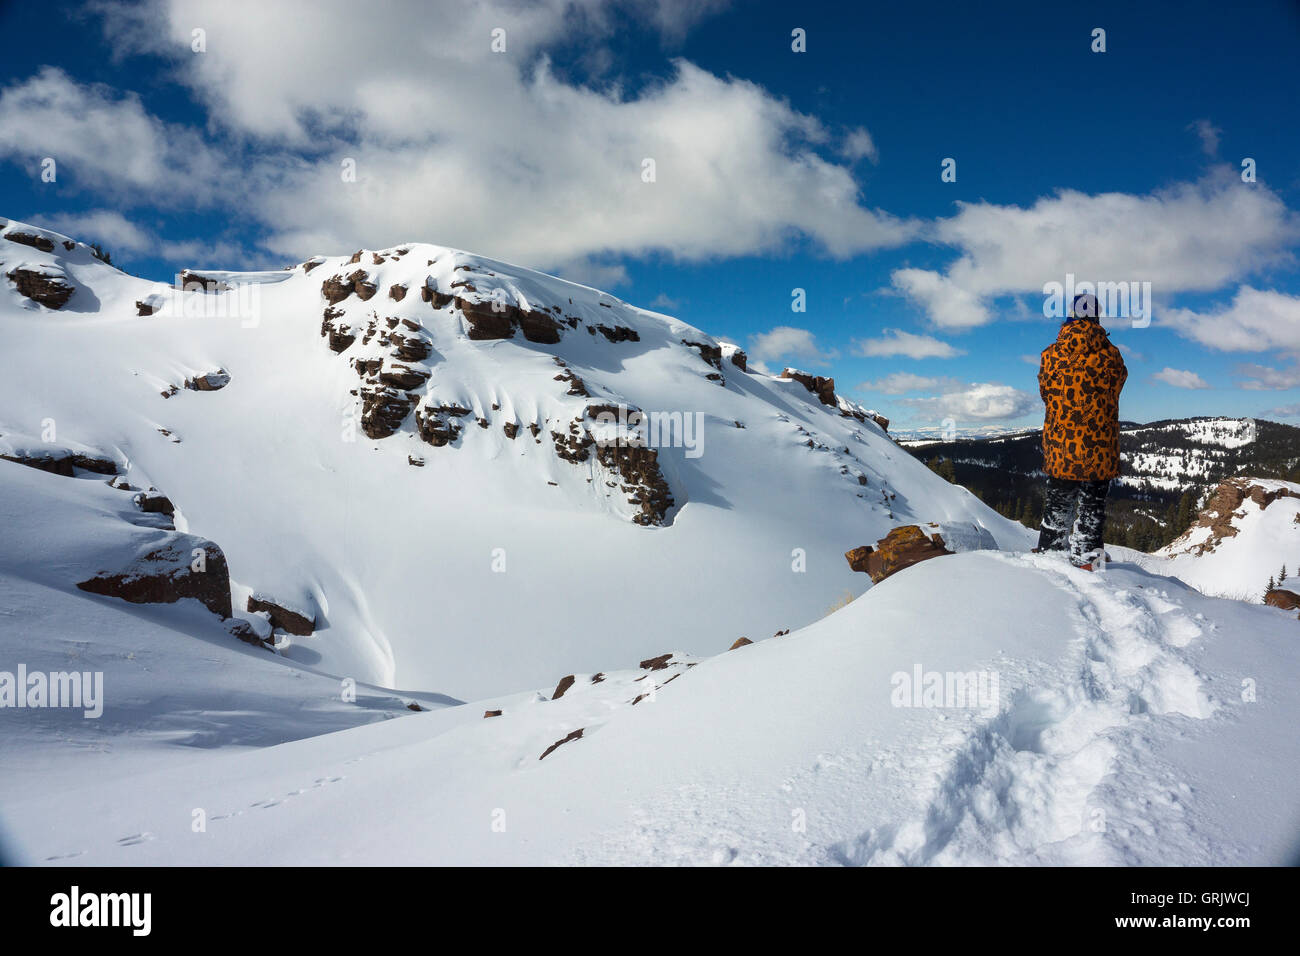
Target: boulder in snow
{"points": [[183, 566], [901, 548], [287, 619], [1281, 597], [46, 284]]}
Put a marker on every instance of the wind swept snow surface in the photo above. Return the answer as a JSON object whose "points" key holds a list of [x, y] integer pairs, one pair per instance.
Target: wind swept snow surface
{"points": [[1135, 721]]}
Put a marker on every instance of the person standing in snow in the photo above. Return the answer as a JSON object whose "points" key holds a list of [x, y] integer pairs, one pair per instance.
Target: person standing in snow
{"points": [[1080, 379]]}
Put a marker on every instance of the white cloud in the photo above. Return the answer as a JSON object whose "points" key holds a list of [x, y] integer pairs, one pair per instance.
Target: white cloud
{"points": [[984, 402], [898, 342], [664, 301], [1180, 378], [948, 304], [491, 152], [899, 383], [1191, 236], [1258, 378], [108, 227], [1256, 320], [1284, 411], [785, 342], [1208, 134], [859, 145], [106, 141], [598, 275], [122, 239]]}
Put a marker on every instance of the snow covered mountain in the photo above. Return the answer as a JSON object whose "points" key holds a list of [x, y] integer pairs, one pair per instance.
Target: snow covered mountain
{"points": [[362, 460], [433, 459], [1248, 531]]}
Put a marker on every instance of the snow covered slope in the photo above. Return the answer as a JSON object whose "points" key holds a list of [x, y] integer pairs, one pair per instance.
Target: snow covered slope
{"points": [[1118, 718], [174, 681], [406, 446], [1248, 530]]}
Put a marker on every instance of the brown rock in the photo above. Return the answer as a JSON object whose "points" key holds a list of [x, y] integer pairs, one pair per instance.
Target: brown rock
{"points": [[901, 548], [740, 642], [383, 409], [49, 289], [155, 502], [575, 735], [491, 713], [823, 388], [436, 423], [28, 239], [564, 684], [656, 663], [397, 292], [617, 333], [282, 617], [165, 574], [403, 377], [710, 353], [1281, 597], [63, 462]]}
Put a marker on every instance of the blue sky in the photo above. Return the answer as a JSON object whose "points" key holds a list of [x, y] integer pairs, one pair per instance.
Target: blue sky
{"points": [[775, 170]]}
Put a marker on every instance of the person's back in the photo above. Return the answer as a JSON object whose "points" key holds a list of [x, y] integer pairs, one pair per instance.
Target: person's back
{"points": [[1079, 379]]}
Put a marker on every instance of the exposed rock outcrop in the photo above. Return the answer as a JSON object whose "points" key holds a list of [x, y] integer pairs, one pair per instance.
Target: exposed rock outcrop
{"points": [[575, 735], [292, 621], [208, 381], [1224, 504], [438, 425], [383, 409], [901, 548], [337, 288], [823, 388], [47, 285], [166, 573], [1281, 597], [30, 239], [61, 461], [710, 353]]}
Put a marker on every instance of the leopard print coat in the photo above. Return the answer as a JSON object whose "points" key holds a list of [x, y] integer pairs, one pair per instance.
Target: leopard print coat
{"points": [[1080, 380]]}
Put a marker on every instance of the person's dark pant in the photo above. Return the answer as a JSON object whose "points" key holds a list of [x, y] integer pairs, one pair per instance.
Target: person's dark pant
{"points": [[1078, 506]]}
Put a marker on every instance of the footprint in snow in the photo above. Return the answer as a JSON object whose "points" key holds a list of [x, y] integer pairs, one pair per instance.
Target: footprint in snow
{"points": [[135, 839]]}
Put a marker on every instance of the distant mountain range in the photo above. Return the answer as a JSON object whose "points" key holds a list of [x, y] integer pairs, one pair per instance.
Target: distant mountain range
{"points": [[1168, 470]]}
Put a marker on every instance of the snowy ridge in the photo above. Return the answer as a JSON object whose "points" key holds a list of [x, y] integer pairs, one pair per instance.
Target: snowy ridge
{"points": [[372, 457]]}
